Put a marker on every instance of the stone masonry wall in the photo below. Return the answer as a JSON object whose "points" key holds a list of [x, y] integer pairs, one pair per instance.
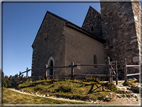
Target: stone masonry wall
{"points": [[49, 42], [119, 31], [136, 6], [92, 22], [141, 37]]}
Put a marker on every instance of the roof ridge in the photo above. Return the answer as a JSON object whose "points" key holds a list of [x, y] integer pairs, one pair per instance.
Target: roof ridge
{"points": [[94, 9], [80, 29], [57, 16], [76, 27]]}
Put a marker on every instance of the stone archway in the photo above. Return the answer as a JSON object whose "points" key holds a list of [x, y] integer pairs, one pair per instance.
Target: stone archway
{"points": [[51, 63]]}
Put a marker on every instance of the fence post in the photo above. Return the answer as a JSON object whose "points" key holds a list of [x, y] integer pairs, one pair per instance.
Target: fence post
{"points": [[125, 70], [27, 73], [116, 72], [110, 71], [46, 71], [53, 73], [14, 80], [72, 70], [19, 76]]}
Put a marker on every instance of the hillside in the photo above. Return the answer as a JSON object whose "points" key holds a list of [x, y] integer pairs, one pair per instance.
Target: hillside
{"points": [[11, 97], [90, 90]]}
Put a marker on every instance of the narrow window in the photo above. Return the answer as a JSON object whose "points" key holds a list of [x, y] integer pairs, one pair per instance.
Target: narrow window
{"points": [[45, 36], [92, 29], [95, 60]]}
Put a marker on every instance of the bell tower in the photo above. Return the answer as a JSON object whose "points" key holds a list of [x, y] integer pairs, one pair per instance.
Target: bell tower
{"points": [[121, 29]]}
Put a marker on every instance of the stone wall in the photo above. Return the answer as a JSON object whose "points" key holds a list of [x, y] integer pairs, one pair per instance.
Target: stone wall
{"points": [[136, 6], [49, 42], [120, 30], [141, 37], [92, 22], [81, 49]]}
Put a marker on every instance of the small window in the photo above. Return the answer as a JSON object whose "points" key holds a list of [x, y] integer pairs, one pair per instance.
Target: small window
{"points": [[95, 60], [45, 35], [92, 28]]}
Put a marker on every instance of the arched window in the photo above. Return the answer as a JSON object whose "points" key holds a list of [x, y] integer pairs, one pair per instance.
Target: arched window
{"points": [[95, 60]]}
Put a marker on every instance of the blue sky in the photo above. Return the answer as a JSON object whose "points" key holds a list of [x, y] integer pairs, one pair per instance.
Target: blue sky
{"points": [[21, 22]]}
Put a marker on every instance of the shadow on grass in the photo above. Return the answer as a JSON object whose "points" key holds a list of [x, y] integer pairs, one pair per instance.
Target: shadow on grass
{"points": [[98, 87]]}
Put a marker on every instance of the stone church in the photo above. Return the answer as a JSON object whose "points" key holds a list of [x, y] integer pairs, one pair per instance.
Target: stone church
{"points": [[114, 33]]}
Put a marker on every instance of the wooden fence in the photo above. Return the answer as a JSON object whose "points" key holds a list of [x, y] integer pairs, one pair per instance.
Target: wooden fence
{"points": [[125, 70], [113, 72]]}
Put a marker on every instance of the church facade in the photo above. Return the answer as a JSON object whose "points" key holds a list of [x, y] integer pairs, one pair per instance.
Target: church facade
{"points": [[114, 33]]}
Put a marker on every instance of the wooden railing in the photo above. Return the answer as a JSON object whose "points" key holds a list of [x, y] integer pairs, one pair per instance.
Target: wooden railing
{"points": [[125, 70], [113, 72]]}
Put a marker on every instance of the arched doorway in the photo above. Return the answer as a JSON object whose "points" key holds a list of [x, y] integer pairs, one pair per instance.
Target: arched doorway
{"points": [[51, 63]]}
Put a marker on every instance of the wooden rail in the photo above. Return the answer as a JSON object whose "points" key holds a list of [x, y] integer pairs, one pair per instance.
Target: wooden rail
{"points": [[133, 74], [94, 65], [96, 75], [132, 65], [110, 75], [125, 70]]}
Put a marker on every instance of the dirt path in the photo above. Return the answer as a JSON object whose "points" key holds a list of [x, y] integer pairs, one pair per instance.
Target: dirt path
{"points": [[51, 97], [117, 101]]}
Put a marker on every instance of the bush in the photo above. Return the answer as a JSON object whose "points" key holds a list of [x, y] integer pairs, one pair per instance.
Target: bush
{"points": [[111, 86], [64, 88], [39, 88], [88, 79], [6, 81], [127, 83]]}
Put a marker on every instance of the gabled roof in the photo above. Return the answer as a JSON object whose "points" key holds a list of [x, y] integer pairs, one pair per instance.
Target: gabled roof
{"points": [[48, 12], [93, 22], [94, 10], [71, 25]]}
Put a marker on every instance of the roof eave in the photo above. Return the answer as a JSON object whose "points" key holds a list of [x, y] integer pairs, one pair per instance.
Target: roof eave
{"points": [[71, 25]]}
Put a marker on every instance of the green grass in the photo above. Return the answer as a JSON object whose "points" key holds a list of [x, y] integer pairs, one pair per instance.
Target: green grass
{"points": [[131, 83], [87, 90], [11, 97], [128, 83]]}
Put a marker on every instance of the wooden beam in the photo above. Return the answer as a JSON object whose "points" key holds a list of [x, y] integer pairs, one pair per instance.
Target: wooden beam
{"points": [[60, 67], [133, 74], [116, 72], [110, 71], [125, 70], [46, 66], [97, 75], [72, 70], [94, 65], [132, 65]]}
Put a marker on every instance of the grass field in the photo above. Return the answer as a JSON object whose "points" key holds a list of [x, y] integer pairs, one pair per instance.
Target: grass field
{"points": [[90, 89], [86, 90], [11, 97]]}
